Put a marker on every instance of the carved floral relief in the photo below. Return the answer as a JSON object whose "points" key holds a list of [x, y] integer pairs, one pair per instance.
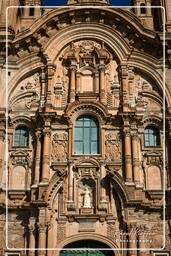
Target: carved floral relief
{"points": [[59, 147], [112, 147]]}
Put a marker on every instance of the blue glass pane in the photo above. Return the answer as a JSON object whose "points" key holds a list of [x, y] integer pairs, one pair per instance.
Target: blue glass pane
{"points": [[86, 135], [87, 148], [79, 123], [94, 148], [78, 147], [94, 133], [93, 123], [87, 123], [79, 133]]}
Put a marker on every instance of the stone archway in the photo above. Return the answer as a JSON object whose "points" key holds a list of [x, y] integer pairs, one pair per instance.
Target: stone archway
{"points": [[94, 248]]}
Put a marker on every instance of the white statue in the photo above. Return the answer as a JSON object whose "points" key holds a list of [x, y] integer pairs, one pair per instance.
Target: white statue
{"points": [[86, 198]]}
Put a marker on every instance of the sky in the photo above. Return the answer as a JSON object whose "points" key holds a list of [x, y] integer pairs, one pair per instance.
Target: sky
{"points": [[62, 2]]}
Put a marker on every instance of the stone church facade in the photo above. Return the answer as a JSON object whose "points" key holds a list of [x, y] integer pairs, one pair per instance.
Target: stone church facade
{"points": [[84, 159]]}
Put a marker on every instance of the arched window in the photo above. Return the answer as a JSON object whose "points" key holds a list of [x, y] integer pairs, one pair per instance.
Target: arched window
{"points": [[21, 137], [151, 136], [143, 9], [86, 136]]}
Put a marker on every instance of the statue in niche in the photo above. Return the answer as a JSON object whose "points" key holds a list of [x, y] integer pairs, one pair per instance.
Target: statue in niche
{"points": [[87, 198]]}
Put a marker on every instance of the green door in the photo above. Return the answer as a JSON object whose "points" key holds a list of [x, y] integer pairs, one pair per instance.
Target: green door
{"points": [[76, 249]]}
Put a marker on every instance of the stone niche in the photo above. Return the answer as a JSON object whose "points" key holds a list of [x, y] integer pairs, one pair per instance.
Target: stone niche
{"points": [[153, 178], [17, 178]]}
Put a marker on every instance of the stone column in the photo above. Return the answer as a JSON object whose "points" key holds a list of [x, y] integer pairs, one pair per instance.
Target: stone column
{"points": [[132, 241], [46, 156], [51, 69], [141, 239], [32, 242], [70, 183], [125, 91], [43, 87], [2, 154], [128, 157], [78, 82], [102, 82], [102, 177], [38, 158], [96, 82], [72, 82], [42, 239], [136, 167]]}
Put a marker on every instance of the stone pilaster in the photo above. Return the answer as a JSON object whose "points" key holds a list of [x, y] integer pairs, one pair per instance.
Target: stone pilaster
{"points": [[42, 229], [102, 82], [125, 91], [2, 151], [72, 82], [78, 82], [128, 156], [102, 181], [132, 240], [51, 69], [135, 153], [46, 155], [70, 183], [32, 241], [96, 82], [38, 157], [43, 87]]}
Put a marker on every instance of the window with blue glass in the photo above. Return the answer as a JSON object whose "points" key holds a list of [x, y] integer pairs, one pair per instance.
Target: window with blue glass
{"points": [[151, 136], [86, 136], [21, 137]]}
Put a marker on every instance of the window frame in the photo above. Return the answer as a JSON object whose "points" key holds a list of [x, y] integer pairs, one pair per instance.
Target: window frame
{"points": [[98, 137], [158, 137], [14, 134]]}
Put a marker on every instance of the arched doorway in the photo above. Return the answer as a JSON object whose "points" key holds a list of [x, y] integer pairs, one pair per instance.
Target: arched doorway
{"points": [[86, 244]]}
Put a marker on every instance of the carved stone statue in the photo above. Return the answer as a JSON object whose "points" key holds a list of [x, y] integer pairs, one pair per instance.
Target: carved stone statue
{"points": [[87, 198]]}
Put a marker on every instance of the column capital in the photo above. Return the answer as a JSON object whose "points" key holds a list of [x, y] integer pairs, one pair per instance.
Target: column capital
{"points": [[42, 227], [102, 67], [47, 132], [73, 68]]}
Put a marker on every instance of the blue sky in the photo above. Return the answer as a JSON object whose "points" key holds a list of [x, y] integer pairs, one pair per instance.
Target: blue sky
{"points": [[62, 2]]}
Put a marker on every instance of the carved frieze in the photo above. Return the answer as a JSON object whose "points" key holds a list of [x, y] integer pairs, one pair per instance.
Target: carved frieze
{"points": [[59, 147]]}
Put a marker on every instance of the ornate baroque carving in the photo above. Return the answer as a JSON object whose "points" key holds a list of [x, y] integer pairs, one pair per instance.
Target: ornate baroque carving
{"points": [[59, 147]]}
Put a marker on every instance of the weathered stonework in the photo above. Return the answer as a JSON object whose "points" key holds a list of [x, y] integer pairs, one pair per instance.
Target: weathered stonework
{"points": [[104, 65]]}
